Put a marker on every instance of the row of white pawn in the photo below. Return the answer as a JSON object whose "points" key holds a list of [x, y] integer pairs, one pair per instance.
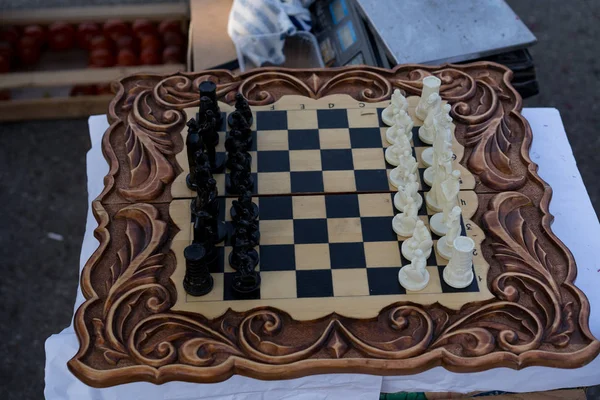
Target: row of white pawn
{"points": [[443, 196]]}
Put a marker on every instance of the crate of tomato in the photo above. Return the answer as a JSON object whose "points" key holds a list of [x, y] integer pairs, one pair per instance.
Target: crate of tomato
{"points": [[58, 63]]}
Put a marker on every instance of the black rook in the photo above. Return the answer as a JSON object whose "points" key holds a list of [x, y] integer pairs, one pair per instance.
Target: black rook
{"points": [[197, 281]]}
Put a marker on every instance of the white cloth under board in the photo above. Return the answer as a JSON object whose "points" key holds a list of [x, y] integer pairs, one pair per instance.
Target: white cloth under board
{"points": [[575, 224]]}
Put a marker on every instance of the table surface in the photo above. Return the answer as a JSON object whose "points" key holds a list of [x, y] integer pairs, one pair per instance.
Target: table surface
{"points": [[575, 224], [411, 29]]}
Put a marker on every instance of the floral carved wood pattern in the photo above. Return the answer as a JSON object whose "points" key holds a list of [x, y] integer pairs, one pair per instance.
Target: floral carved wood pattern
{"points": [[126, 327]]}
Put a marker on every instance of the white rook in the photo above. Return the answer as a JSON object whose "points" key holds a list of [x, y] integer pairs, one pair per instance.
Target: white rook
{"points": [[431, 84], [459, 271]]}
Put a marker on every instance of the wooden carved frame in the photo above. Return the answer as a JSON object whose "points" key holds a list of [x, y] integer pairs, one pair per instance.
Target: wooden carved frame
{"points": [[126, 328]]}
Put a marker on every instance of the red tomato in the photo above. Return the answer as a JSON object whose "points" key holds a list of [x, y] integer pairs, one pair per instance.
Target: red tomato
{"points": [[173, 39], [127, 57], [28, 50], [100, 42], [85, 32], [142, 27], [150, 42], [10, 34], [149, 57], [127, 42], [101, 58], [169, 25], [114, 28], [62, 36], [104, 89], [37, 32], [83, 90], [6, 50], [172, 55], [4, 64]]}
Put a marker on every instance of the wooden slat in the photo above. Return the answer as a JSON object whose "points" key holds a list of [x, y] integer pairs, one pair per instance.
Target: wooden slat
{"points": [[153, 12], [54, 108], [80, 76]]}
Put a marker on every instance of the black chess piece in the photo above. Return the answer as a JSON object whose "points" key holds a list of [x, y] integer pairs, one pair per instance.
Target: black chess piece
{"points": [[193, 144], [242, 106], [202, 171], [209, 89], [246, 281], [244, 208], [197, 280], [210, 139], [243, 257], [240, 175], [205, 215]]}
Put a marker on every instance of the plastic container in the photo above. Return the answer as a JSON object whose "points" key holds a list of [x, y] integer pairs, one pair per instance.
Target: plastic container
{"points": [[301, 50]]}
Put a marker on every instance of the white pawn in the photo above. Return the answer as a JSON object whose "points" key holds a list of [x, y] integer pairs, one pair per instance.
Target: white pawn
{"points": [[405, 222], [420, 239], [444, 245], [427, 130], [394, 152], [447, 199], [403, 125], [410, 189], [407, 165], [398, 102], [414, 276], [431, 84], [459, 271]]}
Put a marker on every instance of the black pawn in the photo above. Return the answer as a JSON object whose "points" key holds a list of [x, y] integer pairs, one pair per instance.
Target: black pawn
{"points": [[210, 138], [242, 106], [209, 89], [197, 281], [193, 144]]}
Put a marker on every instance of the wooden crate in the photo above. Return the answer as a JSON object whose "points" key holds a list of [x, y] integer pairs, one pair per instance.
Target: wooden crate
{"points": [[44, 107]]}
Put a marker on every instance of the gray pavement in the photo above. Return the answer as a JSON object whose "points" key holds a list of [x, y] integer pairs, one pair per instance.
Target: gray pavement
{"points": [[43, 184]]}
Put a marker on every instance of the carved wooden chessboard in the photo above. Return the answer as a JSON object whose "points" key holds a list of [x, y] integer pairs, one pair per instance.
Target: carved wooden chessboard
{"points": [[131, 326], [324, 253]]}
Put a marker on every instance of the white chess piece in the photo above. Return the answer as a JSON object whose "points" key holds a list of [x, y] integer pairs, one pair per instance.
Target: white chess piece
{"points": [[394, 152], [427, 130], [444, 245], [448, 197], [415, 275], [407, 165], [459, 271], [398, 102], [431, 84], [441, 173], [410, 189], [403, 125], [405, 222], [420, 239], [442, 143]]}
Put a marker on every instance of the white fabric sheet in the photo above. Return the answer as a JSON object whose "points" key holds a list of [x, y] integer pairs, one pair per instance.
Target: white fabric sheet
{"points": [[575, 224]]}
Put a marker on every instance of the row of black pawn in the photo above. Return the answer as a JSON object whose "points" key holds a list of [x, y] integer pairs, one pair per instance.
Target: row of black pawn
{"points": [[201, 256]]}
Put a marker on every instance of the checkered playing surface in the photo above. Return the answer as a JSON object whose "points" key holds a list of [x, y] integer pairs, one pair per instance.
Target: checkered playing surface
{"points": [[325, 246], [318, 151]]}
